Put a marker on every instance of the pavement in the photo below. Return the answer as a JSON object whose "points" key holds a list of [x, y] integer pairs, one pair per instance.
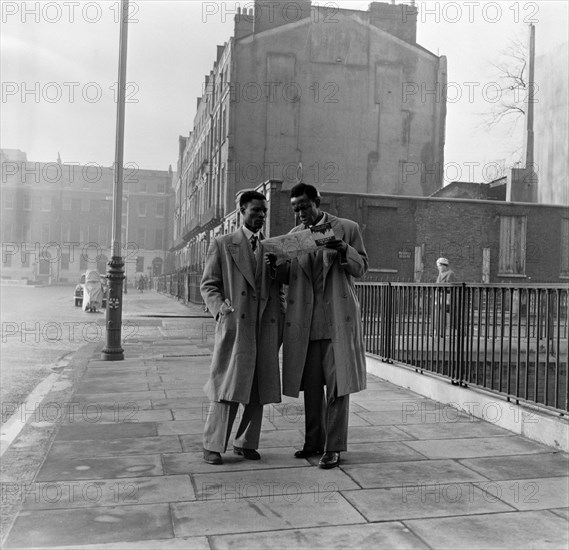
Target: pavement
{"points": [[111, 459]]}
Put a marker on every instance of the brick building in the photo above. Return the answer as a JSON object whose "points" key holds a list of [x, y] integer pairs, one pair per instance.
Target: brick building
{"points": [[334, 97], [56, 219]]}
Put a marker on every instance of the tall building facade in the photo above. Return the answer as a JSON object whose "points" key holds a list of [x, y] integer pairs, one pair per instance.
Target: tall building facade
{"points": [[57, 219], [342, 99]]}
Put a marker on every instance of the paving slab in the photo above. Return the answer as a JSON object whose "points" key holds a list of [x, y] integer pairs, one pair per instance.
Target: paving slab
{"points": [[411, 417], [250, 484], [530, 494], [561, 512], [53, 495], [455, 430], [118, 413], [374, 405], [119, 397], [47, 528], [368, 434], [524, 466], [115, 447], [180, 427], [178, 543], [518, 530], [412, 473], [117, 467], [363, 537], [260, 514], [371, 453], [424, 500], [287, 421], [193, 463], [72, 432], [477, 447]]}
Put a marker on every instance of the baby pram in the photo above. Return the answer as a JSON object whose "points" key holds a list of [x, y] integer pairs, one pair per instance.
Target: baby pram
{"points": [[93, 291]]}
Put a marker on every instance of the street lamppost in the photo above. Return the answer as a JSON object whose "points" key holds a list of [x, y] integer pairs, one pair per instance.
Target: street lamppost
{"points": [[115, 272]]}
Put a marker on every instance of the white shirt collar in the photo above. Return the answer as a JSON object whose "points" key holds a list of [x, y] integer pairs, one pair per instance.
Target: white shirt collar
{"points": [[249, 233]]}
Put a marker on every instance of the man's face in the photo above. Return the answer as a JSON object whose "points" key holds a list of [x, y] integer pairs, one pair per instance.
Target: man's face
{"points": [[307, 210], [442, 267], [254, 214]]}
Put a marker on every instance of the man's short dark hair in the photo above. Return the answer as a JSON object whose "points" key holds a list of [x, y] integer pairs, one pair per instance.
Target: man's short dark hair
{"points": [[248, 196], [304, 189]]}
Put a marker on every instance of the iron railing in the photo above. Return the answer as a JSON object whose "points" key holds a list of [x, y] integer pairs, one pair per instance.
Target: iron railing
{"points": [[185, 286], [506, 339]]}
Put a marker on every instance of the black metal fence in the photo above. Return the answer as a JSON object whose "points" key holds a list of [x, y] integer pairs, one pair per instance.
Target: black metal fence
{"points": [[511, 340], [183, 285]]}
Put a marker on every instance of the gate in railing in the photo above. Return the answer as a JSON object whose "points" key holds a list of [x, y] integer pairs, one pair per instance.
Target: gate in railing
{"points": [[511, 340]]}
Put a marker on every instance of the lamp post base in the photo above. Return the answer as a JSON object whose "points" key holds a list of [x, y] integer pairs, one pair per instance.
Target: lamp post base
{"points": [[115, 275]]}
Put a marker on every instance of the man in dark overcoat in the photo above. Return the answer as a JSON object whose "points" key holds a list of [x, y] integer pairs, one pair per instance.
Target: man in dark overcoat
{"points": [[323, 341], [242, 294]]}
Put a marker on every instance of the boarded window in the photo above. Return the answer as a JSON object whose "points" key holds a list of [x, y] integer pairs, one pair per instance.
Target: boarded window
{"points": [[564, 252], [512, 245]]}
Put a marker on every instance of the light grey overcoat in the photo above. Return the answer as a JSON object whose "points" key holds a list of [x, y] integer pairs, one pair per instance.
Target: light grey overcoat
{"points": [[251, 334], [342, 307]]}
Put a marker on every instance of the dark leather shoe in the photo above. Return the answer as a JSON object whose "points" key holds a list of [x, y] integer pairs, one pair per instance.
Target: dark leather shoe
{"points": [[211, 457], [329, 460], [249, 454], [305, 453]]}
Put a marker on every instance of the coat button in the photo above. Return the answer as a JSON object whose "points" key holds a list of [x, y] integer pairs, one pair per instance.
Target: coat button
{"points": [[291, 301], [288, 324], [294, 277], [242, 316], [348, 319], [243, 293], [344, 295], [273, 321]]}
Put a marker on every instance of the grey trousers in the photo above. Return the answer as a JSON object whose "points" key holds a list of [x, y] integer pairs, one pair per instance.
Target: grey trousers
{"points": [[326, 416], [221, 416]]}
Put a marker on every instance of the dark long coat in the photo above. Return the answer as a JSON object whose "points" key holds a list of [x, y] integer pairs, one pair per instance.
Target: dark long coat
{"points": [[250, 335], [341, 304]]}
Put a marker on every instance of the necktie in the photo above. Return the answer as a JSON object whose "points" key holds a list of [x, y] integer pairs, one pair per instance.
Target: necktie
{"points": [[253, 241]]}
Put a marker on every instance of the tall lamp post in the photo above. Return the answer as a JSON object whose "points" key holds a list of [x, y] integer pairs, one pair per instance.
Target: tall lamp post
{"points": [[115, 272]]}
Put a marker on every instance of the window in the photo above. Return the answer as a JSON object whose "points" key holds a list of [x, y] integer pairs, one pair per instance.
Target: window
{"points": [[26, 233], [564, 252], [26, 260], [84, 205], [141, 237], [8, 233], [142, 187], [65, 262], [45, 233], [46, 204], [161, 187], [8, 201], [142, 209], [160, 209], [159, 239], [512, 260], [27, 201], [66, 231], [66, 203]]}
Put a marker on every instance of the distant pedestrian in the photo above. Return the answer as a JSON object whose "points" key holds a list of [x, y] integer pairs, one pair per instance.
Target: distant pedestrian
{"points": [[443, 298], [243, 295], [446, 274]]}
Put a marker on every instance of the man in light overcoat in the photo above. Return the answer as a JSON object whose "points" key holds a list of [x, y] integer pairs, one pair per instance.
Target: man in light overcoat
{"points": [[242, 294], [323, 341]]}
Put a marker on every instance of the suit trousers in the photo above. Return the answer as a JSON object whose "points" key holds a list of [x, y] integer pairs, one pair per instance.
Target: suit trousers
{"points": [[326, 417], [221, 416]]}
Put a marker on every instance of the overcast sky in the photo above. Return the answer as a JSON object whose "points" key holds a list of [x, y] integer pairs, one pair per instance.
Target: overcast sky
{"points": [[59, 63]]}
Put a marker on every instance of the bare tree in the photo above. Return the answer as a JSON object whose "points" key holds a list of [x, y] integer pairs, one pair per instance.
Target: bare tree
{"points": [[512, 87]]}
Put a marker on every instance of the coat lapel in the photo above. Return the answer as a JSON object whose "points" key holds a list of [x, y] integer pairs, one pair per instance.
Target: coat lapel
{"points": [[329, 255], [241, 253]]}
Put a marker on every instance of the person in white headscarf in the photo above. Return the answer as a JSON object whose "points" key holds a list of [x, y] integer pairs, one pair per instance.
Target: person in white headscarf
{"points": [[93, 291]]}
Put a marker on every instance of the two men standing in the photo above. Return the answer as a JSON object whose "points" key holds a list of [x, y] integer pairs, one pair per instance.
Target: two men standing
{"points": [[322, 340]]}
